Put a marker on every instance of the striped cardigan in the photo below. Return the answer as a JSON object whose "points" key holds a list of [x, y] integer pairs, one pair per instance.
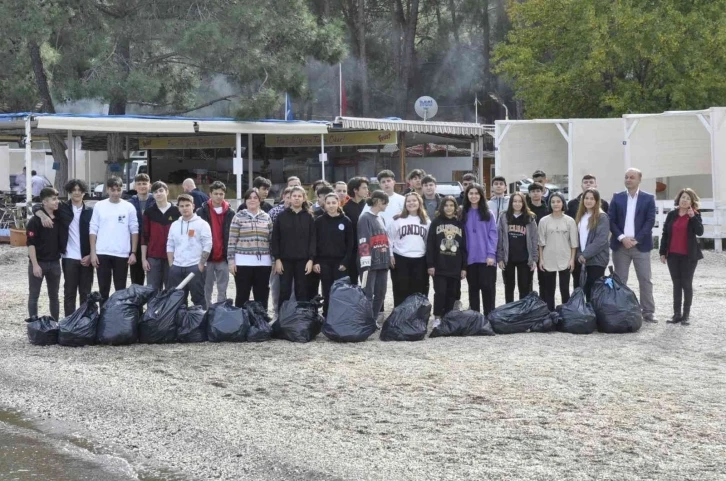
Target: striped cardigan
{"points": [[249, 235]]}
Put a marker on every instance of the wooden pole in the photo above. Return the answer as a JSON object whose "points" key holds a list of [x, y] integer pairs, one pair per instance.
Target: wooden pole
{"points": [[402, 152]]}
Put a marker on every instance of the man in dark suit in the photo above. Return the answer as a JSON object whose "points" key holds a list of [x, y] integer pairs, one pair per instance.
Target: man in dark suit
{"points": [[632, 217]]}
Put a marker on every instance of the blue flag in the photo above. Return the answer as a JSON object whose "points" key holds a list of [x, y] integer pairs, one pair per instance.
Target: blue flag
{"points": [[288, 108]]}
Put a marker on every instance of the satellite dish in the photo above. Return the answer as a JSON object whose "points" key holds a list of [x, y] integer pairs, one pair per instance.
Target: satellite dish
{"points": [[426, 107]]}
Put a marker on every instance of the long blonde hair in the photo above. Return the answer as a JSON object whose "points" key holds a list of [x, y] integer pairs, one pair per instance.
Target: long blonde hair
{"points": [[582, 210], [421, 212]]}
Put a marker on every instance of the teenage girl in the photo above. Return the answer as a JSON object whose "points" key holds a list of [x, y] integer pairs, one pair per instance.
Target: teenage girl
{"points": [[480, 228], [593, 226], [407, 235], [517, 251], [293, 246], [446, 257], [374, 252], [334, 236], [557, 248]]}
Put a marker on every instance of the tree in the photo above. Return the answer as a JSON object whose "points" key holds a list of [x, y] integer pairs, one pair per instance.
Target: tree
{"points": [[598, 58]]}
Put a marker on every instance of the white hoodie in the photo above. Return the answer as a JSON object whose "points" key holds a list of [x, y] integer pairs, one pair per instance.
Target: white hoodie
{"points": [[187, 240]]}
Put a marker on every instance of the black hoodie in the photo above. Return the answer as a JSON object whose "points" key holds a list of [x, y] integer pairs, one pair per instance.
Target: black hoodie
{"points": [[334, 238], [446, 247], [293, 236]]}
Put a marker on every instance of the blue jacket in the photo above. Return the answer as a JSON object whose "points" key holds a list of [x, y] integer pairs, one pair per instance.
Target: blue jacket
{"points": [[199, 198], [644, 219], [136, 202]]}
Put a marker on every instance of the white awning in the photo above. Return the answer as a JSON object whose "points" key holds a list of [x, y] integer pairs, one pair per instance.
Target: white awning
{"points": [[446, 128], [120, 124], [271, 127]]}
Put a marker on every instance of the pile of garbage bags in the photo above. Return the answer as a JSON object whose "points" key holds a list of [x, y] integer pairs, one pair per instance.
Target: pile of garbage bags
{"points": [[463, 323], [408, 321], [350, 313], [119, 321], [576, 316], [42, 331], [616, 307], [226, 323], [79, 329]]}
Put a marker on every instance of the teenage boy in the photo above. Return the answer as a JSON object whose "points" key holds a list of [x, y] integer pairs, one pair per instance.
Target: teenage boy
{"points": [[358, 192], [114, 236], [263, 187], [191, 188], [466, 181], [44, 251], [387, 181], [431, 199], [319, 207], [414, 181], [541, 178], [157, 221], [141, 201], [341, 189], [499, 201], [588, 182], [217, 213], [534, 199], [187, 248], [74, 218]]}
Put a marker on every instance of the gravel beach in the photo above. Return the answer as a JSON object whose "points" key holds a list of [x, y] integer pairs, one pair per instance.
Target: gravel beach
{"points": [[650, 405]]}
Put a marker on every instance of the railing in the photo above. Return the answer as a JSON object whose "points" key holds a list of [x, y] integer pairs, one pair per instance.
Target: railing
{"points": [[713, 220]]}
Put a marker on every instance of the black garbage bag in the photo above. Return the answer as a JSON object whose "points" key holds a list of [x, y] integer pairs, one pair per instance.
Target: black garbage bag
{"points": [[463, 323], [260, 328], [42, 331], [408, 321], [530, 314], [616, 307], [576, 316], [191, 324], [79, 329], [226, 323], [119, 321], [299, 321], [350, 313], [158, 325]]}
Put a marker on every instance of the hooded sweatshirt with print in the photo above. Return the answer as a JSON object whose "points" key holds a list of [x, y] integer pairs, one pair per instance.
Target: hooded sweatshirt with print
{"points": [[188, 239]]}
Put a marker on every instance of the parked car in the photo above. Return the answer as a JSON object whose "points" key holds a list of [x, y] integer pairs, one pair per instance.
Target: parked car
{"points": [[523, 186], [449, 188]]}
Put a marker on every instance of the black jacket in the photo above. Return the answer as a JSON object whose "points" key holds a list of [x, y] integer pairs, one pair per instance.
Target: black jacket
{"points": [[205, 214], [293, 236], [49, 243], [334, 237], [446, 247], [64, 214], [539, 211], [695, 229], [574, 204]]}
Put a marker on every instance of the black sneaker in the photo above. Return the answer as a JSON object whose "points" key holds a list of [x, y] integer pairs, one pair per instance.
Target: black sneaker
{"points": [[675, 319]]}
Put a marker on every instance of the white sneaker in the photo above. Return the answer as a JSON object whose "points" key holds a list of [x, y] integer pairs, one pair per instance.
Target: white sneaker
{"points": [[436, 323], [379, 320], [458, 306]]}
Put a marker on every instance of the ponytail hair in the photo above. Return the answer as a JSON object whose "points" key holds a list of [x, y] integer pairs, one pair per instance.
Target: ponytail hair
{"points": [[377, 197]]}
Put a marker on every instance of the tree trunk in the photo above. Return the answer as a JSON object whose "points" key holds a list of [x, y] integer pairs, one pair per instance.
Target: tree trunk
{"points": [[57, 143], [404, 31], [117, 106], [454, 21], [486, 45], [363, 59]]}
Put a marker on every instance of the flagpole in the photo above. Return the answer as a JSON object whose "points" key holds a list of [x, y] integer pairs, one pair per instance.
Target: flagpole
{"points": [[476, 108], [340, 89]]}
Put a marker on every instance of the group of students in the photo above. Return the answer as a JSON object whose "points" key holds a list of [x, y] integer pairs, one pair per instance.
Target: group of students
{"points": [[419, 237]]}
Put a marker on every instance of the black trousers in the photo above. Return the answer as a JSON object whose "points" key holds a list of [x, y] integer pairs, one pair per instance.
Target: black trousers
{"points": [[329, 273], [409, 277], [51, 272], [353, 269], [549, 283], [445, 292], [313, 280], [293, 270], [576, 275], [78, 279], [255, 279], [482, 280], [523, 275], [682, 270], [195, 288], [108, 267], [593, 273], [136, 271]]}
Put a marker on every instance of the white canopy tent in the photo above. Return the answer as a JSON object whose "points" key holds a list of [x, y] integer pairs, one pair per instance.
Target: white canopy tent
{"points": [[572, 147]]}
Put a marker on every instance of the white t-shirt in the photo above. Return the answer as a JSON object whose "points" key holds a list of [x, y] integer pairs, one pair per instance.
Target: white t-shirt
{"points": [[163, 209], [73, 249], [218, 210], [584, 231], [395, 206], [113, 225]]}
